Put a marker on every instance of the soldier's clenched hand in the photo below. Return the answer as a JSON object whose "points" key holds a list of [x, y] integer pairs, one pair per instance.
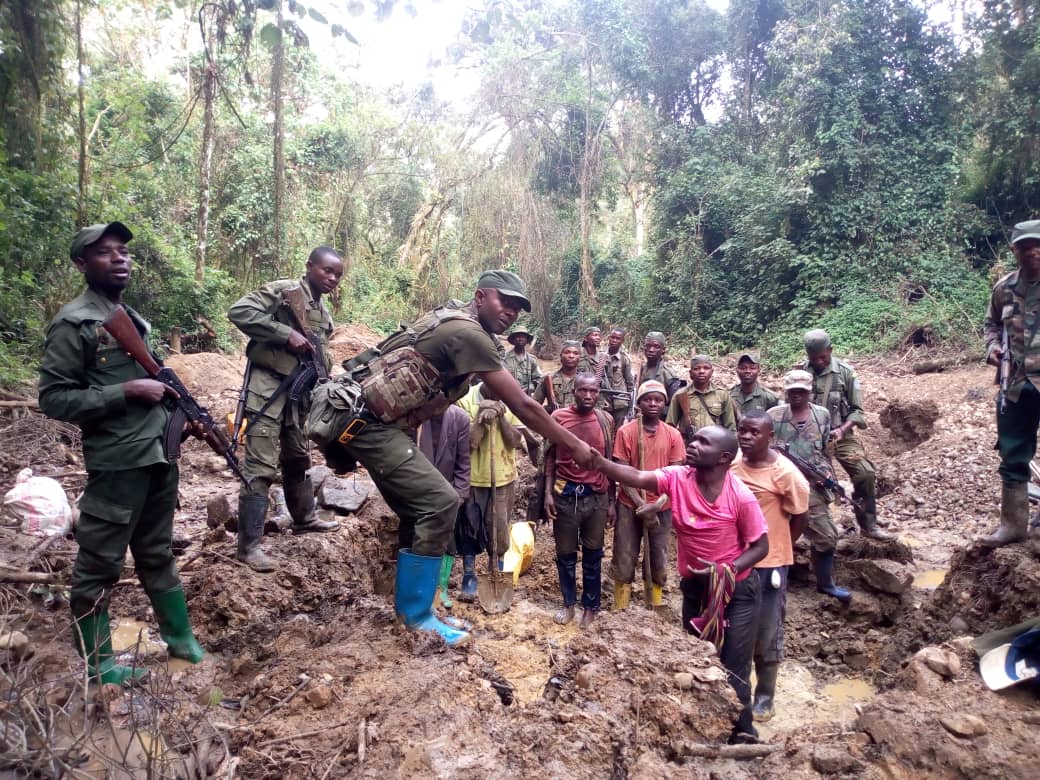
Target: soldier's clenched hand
{"points": [[298, 343], [147, 391]]}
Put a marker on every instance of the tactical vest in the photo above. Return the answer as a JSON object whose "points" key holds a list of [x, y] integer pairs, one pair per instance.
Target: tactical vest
{"points": [[403, 385]]}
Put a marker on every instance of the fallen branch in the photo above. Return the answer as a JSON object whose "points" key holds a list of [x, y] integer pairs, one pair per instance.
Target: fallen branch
{"points": [[34, 577], [737, 752], [304, 734], [933, 366], [20, 403]]}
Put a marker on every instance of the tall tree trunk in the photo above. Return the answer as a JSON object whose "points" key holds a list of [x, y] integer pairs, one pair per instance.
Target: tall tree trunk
{"points": [[588, 290], [209, 97], [81, 181], [278, 199]]}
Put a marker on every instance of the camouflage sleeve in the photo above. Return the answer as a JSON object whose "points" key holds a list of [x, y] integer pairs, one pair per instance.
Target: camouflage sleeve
{"points": [[254, 315], [993, 326], [63, 389], [854, 398]]}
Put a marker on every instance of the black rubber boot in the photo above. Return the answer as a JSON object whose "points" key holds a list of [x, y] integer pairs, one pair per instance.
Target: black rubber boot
{"points": [[765, 689], [867, 519], [823, 568], [299, 497], [251, 513], [1014, 516]]}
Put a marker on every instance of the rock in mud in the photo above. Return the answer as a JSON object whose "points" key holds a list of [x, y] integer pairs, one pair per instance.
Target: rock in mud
{"points": [[832, 761], [319, 696], [278, 518], [961, 724], [218, 513], [16, 644], [942, 662], [911, 421], [683, 681], [345, 494], [884, 576]]}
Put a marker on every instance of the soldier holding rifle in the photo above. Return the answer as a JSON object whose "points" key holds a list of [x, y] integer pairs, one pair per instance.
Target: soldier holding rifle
{"points": [[89, 378], [1013, 346], [288, 328]]}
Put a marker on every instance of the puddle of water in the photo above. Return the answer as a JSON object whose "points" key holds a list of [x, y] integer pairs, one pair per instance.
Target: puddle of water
{"points": [[849, 690], [128, 633], [930, 579]]}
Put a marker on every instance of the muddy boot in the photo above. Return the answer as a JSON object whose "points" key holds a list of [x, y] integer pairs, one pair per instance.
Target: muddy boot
{"points": [[92, 636], [656, 596], [564, 616], [866, 517], [762, 707], [171, 613], [622, 595], [251, 512], [587, 618], [413, 596], [447, 562], [469, 579], [1014, 516], [823, 568], [299, 497]]}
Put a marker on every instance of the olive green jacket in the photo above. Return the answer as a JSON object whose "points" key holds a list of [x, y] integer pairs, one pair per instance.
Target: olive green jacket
{"points": [[760, 398], [1013, 306], [81, 381], [710, 407], [837, 390]]}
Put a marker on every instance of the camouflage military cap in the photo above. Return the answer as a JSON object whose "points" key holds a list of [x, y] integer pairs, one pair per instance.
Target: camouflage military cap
{"points": [[1024, 230], [92, 233], [571, 343], [591, 329], [507, 283], [750, 355], [700, 359], [520, 331], [798, 380], [817, 341], [655, 336]]}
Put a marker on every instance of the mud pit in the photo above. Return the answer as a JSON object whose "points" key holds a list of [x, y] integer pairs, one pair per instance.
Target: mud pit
{"points": [[308, 674]]}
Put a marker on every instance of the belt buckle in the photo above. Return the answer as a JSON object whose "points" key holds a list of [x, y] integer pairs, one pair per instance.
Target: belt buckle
{"points": [[354, 427]]}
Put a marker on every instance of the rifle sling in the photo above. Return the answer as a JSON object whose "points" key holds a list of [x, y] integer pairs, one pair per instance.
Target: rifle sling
{"points": [[284, 385]]}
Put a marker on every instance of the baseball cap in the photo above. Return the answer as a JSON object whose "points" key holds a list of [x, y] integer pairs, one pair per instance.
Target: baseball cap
{"points": [[798, 380], [749, 354], [507, 283], [1013, 662], [651, 386], [88, 235], [816, 341], [1023, 230]]}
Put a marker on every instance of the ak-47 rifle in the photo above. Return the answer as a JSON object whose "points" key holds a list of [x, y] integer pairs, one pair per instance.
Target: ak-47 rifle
{"points": [[550, 393], [1004, 370], [186, 408], [296, 302], [817, 476]]}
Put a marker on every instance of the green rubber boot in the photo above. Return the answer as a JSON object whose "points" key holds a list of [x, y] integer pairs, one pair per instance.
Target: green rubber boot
{"points": [[171, 613], [447, 561], [92, 636]]}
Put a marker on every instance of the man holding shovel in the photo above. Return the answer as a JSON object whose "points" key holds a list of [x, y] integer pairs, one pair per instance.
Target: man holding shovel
{"points": [[493, 439], [647, 444], [580, 501]]}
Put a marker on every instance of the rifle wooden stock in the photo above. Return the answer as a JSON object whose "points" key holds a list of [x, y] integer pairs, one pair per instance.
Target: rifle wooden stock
{"points": [[186, 408]]}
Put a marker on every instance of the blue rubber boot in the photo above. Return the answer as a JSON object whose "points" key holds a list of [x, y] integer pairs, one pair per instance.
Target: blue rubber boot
{"points": [[413, 596], [469, 578], [823, 568]]}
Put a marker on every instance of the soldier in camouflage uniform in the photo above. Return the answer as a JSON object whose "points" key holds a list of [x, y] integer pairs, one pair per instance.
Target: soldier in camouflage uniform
{"points": [[700, 404], [653, 367], [562, 379], [806, 429], [274, 435], [617, 376], [1015, 306], [418, 371], [836, 388], [591, 355], [86, 378], [520, 363], [749, 394]]}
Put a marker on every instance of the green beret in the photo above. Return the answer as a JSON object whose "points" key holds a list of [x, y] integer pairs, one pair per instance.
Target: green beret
{"points": [[817, 341]]}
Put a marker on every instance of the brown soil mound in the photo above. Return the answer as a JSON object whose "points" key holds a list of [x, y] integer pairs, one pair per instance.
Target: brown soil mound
{"points": [[209, 373], [349, 340], [910, 421]]}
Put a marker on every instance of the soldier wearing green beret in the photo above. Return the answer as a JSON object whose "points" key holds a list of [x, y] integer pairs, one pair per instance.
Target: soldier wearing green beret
{"points": [[414, 374], [749, 394], [836, 389], [274, 434], [88, 379], [520, 363], [700, 404], [1014, 313]]}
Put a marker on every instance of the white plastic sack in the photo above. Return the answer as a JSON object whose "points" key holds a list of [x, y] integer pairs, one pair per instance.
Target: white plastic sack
{"points": [[39, 503]]}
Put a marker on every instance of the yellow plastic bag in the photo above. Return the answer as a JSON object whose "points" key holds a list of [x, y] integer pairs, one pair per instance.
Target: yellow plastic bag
{"points": [[520, 554]]}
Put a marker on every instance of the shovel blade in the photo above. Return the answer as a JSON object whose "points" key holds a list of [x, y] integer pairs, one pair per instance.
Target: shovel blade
{"points": [[495, 594]]}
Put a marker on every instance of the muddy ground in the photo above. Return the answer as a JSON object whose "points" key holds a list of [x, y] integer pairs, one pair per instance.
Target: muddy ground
{"points": [[308, 675]]}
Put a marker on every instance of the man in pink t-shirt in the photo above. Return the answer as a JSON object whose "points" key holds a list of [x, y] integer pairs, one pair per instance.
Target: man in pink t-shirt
{"points": [[717, 521]]}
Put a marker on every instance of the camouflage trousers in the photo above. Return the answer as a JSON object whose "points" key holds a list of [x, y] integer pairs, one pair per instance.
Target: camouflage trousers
{"points": [[853, 458], [820, 530], [273, 444]]}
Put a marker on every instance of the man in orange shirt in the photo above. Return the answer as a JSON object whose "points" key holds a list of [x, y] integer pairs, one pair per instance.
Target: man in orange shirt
{"points": [[647, 444], [783, 494]]}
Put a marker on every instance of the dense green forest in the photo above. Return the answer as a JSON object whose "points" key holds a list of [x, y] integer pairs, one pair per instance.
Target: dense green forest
{"points": [[727, 177]]}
